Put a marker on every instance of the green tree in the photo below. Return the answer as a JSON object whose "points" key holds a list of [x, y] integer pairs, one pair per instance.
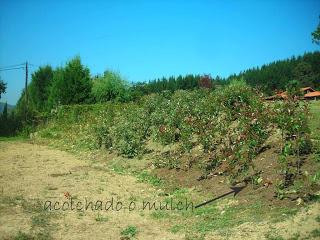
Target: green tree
{"points": [[304, 74], [110, 87], [293, 88], [5, 112], [71, 84], [55, 95], [39, 87], [316, 35], [3, 87]]}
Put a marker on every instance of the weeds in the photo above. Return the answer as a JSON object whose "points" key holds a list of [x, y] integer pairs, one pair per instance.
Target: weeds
{"points": [[144, 176], [101, 218], [130, 231]]}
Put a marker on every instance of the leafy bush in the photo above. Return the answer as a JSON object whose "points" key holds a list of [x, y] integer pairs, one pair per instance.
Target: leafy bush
{"points": [[292, 120], [130, 131], [110, 87], [229, 125]]}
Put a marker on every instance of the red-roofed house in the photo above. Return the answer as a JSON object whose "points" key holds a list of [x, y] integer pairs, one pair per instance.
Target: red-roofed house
{"points": [[308, 94]]}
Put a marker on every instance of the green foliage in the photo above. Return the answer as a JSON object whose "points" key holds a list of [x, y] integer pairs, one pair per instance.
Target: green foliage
{"points": [[229, 125], [315, 179], [11, 122], [3, 87], [315, 233], [276, 75], [316, 35], [110, 87], [101, 218], [71, 84], [292, 119], [23, 236], [4, 115], [293, 88], [146, 177], [188, 82], [130, 231], [130, 132], [39, 88], [303, 72]]}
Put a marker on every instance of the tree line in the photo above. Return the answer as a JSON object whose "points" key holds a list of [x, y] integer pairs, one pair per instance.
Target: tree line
{"points": [[277, 75], [73, 84]]}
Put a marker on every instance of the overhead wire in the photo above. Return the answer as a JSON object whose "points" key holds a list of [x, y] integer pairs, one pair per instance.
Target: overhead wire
{"points": [[13, 68]]}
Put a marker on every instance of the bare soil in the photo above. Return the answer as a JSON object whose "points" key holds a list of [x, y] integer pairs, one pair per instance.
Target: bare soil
{"points": [[31, 173], [36, 172]]}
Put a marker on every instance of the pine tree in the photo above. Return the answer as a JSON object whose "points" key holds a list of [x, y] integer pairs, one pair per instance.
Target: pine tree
{"points": [[5, 112]]}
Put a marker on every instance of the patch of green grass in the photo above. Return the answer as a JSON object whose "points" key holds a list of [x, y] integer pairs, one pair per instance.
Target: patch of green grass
{"points": [[295, 236], [28, 206], [146, 177], [51, 133], [314, 120], [32, 207], [12, 201], [213, 218], [281, 214], [315, 179], [159, 214], [118, 169], [40, 220], [315, 233], [100, 218], [180, 192], [176, 228], [218, 220], [130, 231], [318, 218], [23, 236], [43, 235], [273, 236]]}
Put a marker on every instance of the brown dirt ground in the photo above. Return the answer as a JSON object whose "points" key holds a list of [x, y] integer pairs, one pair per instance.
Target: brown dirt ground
{"points": [[38, 172], [267, 162]]}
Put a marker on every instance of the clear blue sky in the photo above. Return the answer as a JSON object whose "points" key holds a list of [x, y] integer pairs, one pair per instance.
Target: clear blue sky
{"points": [[149, 39]]}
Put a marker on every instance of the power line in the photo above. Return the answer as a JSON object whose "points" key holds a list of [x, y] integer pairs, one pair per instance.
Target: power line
{"points": [[7, 69], [15, 65]]}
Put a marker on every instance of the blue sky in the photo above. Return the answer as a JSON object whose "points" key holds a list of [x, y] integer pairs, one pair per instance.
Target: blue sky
{"points": [[144, 40]]}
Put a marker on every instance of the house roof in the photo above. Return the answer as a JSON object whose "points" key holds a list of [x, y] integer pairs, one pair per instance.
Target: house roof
{"points": [[308, 88], [284, 95], [312, 94]]}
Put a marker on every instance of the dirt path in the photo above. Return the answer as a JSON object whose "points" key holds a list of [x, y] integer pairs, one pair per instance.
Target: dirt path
{"points": [[30, 172]]}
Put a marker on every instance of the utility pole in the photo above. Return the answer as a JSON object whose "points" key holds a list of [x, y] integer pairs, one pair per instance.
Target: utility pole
{"points": [[26, 91]]}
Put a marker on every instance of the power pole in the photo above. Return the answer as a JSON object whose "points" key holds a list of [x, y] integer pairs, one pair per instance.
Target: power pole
{"points": [[26, 91]]}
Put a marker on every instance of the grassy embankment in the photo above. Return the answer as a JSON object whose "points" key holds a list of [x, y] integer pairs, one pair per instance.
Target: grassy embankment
{"points": [[168, 144]]}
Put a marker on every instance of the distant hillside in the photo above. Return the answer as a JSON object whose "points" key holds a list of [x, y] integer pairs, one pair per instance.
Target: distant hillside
{"points": [[268, 78], [276, 75], [10, 107]]}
